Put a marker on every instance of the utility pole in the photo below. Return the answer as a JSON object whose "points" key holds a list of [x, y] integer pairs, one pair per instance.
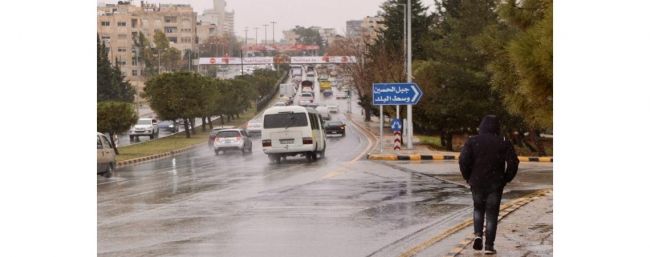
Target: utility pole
{"points": [[409, 108], [265, 40], [273, 30], [245, 37], [256, 35]]}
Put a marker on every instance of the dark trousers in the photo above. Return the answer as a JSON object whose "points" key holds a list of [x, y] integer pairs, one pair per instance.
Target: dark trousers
{"points": [[486, 208]]}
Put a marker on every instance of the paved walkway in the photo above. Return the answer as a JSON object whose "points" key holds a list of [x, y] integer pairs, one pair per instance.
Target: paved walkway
{"points": [[528, 231]]}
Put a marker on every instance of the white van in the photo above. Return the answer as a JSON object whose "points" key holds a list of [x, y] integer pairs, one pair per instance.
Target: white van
{"points": [[293, 130]]}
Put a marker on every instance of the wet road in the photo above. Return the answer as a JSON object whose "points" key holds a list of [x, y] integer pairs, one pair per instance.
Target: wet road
{"points": [[199, 204]]}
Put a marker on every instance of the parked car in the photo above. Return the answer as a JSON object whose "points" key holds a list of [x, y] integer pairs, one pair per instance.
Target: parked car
{"points": [[232, 139], [105, 155], [144, 127], [254, 127], [293, 130], [168, 125], [335, 127], [333, 108]]}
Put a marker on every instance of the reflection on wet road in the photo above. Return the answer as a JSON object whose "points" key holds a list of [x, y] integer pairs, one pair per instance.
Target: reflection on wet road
{"points": [[199, 204]]}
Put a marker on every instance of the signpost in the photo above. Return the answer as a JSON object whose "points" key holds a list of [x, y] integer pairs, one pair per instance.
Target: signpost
{"points": [[396, 126], [395, 94]]}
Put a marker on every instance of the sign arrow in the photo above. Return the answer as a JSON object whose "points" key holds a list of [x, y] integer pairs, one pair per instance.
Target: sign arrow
{"points": [[417, 93]]}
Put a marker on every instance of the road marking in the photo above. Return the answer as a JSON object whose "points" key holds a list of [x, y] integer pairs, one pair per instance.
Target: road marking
{"points": [[346, 165], [508, 208]]}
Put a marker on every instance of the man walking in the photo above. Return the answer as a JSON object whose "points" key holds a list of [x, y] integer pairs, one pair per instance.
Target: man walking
{"points": [[483, 162]]}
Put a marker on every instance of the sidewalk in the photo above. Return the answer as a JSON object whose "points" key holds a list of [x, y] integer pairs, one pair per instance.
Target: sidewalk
{"points": [[419, 151], [527, 231]]}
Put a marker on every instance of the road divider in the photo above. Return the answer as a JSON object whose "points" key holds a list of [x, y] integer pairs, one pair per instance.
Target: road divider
{"points": [[439, 157]]}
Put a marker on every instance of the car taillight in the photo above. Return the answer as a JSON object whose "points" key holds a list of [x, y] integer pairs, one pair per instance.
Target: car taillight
{"points": [[266, 142], [343, 127], [238, 139], [307, 141]]}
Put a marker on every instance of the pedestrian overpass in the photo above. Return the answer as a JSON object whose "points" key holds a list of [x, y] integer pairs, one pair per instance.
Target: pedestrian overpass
{"points": [[226, 60]]}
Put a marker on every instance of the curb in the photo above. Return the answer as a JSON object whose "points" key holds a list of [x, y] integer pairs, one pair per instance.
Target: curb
{"points": [[130, 162], [425, 157]]}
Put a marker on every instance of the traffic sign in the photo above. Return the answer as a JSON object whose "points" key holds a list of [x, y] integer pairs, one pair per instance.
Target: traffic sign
{"points": [[396, 93], [396, 125]]}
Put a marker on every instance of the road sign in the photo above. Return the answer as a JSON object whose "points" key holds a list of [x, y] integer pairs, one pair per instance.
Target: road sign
{"points": [[396, 93], [396, 125]]}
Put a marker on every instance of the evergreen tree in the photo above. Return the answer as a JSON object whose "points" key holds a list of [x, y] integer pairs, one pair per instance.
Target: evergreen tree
{"points": [[393, 34], [454, 80], [111, 84]]}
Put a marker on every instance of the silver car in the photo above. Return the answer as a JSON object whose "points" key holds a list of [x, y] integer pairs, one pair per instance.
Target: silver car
{"points": [[105, 155], [232, 139]]}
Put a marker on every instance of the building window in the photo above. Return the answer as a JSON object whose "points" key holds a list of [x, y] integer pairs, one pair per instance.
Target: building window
{"points": [[173, 39], [134, 23], [170, 19], [186, 40], [121, 24], [134, 72], [121, 36], [134, 62], [171, 29], [121, 50], [106, 23]]}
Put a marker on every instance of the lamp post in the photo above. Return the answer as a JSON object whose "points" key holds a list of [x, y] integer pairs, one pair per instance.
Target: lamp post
{"points": [[409, 108], [404, 47]]}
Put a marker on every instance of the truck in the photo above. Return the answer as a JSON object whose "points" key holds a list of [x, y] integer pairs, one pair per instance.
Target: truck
{"points": [[287, 90]]}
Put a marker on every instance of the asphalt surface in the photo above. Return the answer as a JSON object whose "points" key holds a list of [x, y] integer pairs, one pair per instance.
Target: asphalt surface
{"points": [[234, 204]]}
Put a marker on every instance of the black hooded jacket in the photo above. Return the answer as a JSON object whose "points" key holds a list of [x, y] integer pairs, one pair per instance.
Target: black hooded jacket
{"points": [[484, 157]]}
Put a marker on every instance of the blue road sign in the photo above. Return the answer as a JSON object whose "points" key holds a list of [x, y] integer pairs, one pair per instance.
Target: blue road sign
{"points": [[395, 93], [396, 125]]}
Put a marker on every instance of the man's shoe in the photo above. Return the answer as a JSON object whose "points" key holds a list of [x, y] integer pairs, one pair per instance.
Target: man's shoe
{"points": [[489, 249], [478, 243]]}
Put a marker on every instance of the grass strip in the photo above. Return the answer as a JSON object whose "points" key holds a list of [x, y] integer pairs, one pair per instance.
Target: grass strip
{"points": [[178, 141]]}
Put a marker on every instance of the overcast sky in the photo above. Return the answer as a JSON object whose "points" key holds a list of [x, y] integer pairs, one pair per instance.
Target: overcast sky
{"points": [[287, 13]]}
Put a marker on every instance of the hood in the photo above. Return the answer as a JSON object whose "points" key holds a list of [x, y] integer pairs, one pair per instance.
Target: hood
{"points": [[143, 126], [489, 125]]}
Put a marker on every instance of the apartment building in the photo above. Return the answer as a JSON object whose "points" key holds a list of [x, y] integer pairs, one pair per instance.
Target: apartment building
{"points": [[225, 21], [368, 28], [117, 24]]}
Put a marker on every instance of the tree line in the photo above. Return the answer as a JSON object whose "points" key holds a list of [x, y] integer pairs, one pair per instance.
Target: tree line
{"points": [[471, 58], [187, 95], [177, 95]]}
